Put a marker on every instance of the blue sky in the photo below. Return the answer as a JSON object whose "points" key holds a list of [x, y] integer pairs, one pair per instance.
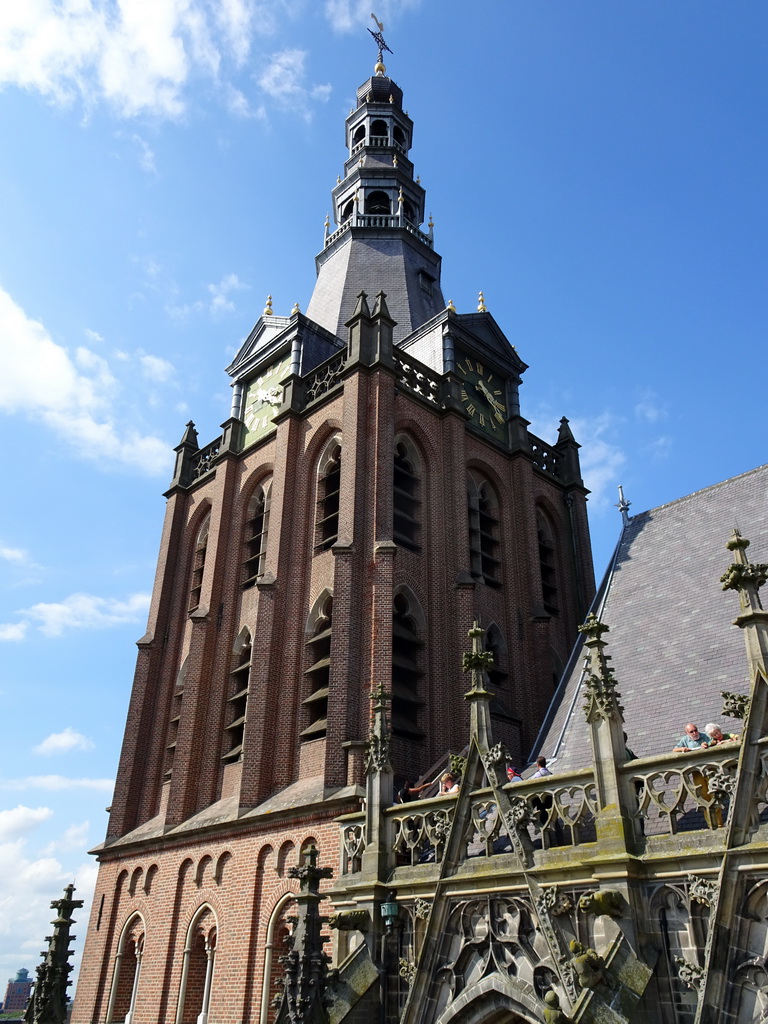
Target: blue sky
{"points": [[598, 169]]}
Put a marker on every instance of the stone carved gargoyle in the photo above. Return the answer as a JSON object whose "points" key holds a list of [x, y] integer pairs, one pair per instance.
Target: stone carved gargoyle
{"points": [[552, 1012], [587, 965], [604, 901], [350, 920]]}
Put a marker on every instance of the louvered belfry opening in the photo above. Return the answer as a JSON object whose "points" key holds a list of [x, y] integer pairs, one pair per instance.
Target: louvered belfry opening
{"points": [[237, 704], [484, 549], [329, 486], [406, 670], [406, 528], [318, 673], [256, 531], [547, 565], [198, 564]]}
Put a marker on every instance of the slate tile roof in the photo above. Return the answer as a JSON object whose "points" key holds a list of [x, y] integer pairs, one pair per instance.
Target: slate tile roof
{"points": [[671, 639]]}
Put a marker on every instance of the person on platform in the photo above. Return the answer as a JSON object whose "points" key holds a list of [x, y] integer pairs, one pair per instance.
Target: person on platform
{"points": [[513, 775], [716, 734], [409, 792], [691, 739], [541, 768], [448, 784]]}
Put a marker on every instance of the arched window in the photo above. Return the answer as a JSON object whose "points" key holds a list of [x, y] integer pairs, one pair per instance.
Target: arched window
{"points": [[378, 202], [256, 531], [239, 679], [408, 212], [125, 979], [406, 488], [406, 667], [494, 642], [198, 564], [484, 548], [319, 671], [379, 128], [358, 134], [547, 564], [347, 210], [328, 490], [399, 136], [173, 724], [197, 969]]}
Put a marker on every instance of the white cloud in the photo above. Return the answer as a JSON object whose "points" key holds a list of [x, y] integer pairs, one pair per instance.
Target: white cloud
{"points": [[217, 302], [136, 56], [649, 409], [62, 742], [85, 611], [21, 820], [601, 459], [92, 335], [284, 81], [349, 15], [11, 631], [73, 838], [220, 301], [74, 396], [145, 153], [56, 783], [155, 368], [13, 554]]}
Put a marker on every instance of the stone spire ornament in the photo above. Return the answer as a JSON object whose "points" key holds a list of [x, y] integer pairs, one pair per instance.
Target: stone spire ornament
{"points": [[48, 1002], [481, 307], [306, 965]]}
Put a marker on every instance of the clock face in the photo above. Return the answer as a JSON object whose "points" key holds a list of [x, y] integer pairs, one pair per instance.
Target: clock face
{"points": [[263, 397], [482, 395]]}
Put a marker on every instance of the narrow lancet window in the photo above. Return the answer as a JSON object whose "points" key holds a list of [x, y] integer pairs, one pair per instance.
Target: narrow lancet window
{"points": [[318, 672], [237, 704], [256, 532], [329, 488], [406, 487], [198, 564]]}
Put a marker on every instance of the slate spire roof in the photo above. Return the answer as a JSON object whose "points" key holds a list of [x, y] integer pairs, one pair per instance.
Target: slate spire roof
{"points": [[672, 642], [378, 209]]}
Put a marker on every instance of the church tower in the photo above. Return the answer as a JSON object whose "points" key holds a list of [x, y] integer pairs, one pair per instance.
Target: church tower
{"points": [[374, 491]]}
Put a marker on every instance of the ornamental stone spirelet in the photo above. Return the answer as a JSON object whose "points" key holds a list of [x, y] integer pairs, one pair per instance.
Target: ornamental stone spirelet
{"points": [[702, 890], [735, 705]]}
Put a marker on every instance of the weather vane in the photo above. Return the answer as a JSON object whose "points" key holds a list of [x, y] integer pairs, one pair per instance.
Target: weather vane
{"points": [[379, 40]]}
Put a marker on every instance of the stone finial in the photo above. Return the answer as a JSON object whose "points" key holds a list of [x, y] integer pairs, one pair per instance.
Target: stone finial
{"points": [[394, 162], [379, 738], [268, 307], [48, 1002], [418, 182], [338, 179], [623, 506], [295, 309], [450, 307], [400, 199], [306, 965], [481, 308], [602, 699]]}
